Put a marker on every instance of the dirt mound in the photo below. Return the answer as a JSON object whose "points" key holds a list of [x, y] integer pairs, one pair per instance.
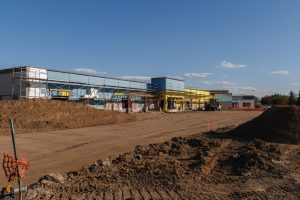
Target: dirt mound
{"points": [[279, 124], [199, 167], [253, 157], [32, 115]]}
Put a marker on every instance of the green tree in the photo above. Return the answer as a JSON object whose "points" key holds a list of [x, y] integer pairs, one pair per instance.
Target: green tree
{"points": [[257, 102], [292, 98], [278, 99], [275, 99], [266, 100]]}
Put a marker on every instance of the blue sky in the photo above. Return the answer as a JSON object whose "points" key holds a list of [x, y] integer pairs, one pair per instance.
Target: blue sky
{"points": [[244, 46]]}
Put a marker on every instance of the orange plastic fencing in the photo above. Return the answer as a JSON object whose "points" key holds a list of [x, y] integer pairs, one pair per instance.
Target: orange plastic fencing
{"points": [[11, 166]]}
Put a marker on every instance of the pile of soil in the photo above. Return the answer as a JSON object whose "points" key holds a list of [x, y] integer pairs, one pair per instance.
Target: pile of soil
{"points": [[279, 124], [197, 167], [37, 114]]}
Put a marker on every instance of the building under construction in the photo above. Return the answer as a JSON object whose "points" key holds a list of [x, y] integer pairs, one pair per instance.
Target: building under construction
{"points": [[97, 91], [163, 93]]}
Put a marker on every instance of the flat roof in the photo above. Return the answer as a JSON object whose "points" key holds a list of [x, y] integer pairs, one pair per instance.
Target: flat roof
{"points": [[93, 75], [167, 77], [5, 70], [244, 97]]}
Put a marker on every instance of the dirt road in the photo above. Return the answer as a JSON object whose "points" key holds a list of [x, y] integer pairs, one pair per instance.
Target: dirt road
{"points": [[65, 150]]}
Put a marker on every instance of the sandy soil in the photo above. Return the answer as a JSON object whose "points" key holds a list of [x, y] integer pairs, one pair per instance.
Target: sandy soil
{"points": [[65, 150], [38, 115], [211, 165]]}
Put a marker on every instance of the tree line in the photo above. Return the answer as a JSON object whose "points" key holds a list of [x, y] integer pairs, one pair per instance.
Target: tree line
{"points": [[279, 99]]}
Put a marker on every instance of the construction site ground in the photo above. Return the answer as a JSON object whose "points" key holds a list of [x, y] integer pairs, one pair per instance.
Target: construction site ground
{"points": [[209, 166], [71, 149]]}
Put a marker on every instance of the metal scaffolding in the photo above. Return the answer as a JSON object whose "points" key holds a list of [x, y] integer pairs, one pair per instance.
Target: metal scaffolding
{"points": [[29, 84]]}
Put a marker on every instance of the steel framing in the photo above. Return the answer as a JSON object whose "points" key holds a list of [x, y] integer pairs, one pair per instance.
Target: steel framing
{"points": [[21, 81]]}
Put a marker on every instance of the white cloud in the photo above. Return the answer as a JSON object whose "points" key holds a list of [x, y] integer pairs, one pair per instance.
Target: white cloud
{"points": [[281, 72], [295, 84], [197, 75], [226, 83], [217, 82], [88, 71], [231, 86], [206, 82], [136, 78], [228, 65], [238, 88]]}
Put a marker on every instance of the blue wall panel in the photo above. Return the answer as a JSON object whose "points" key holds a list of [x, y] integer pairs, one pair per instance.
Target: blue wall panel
{"points": [[79, 78], [111, 82], [222, 97], [94, 80], [124, 83], [158, 83], [58, 76], [166, 83]]}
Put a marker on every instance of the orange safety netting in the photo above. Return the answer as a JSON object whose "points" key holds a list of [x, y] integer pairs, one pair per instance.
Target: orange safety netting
{"points": [[11, 166]]}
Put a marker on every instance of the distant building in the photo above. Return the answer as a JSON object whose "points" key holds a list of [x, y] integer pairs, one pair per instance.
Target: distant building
{"points": [[196, 99], [223, 97], [243, 101], [162, 93], [175, 97], [97, 91], [170, 92]]}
